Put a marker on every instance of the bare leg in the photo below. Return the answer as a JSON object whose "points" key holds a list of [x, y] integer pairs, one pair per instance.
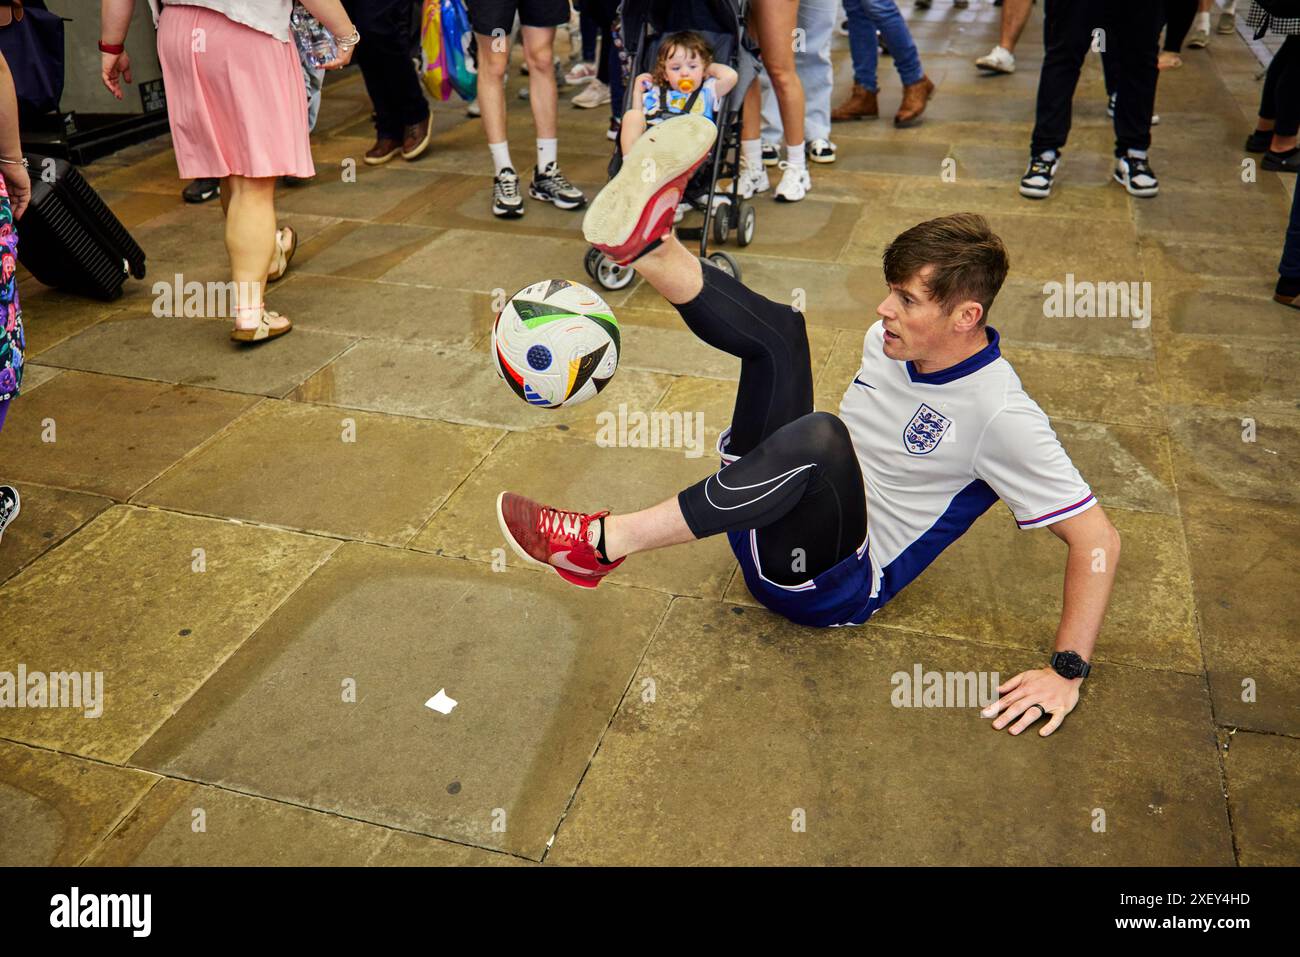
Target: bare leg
{"points": [[633, 127], [1280, 144], [673, 270], [492, 67], [655, 527], [774, 24], [539, 46], [751, 122], [1015, 14], [250, 242]]}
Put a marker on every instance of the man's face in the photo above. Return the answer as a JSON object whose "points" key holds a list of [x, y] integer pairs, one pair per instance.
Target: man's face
{"points": [[684, 65], [916, 326]]}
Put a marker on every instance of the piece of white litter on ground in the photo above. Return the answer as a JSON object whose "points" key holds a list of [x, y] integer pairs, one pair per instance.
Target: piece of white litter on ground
{"points": [[440, 702]]}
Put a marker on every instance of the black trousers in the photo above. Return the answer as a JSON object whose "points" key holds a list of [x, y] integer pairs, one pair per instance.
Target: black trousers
{"points": [[1131, 38], [1280, 101], [1178, 20], [384, 55], [798, 481]]}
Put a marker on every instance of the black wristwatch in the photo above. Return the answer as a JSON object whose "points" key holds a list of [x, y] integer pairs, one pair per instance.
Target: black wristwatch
{"points": [[1069, 665]]}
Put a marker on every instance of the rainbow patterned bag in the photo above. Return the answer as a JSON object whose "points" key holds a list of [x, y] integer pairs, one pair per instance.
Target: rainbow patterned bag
{"points": [[457, 37], [433, 51]]}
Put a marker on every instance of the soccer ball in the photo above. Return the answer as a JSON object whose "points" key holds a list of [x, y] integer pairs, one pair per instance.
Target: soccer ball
{"points": [[555, 343]]}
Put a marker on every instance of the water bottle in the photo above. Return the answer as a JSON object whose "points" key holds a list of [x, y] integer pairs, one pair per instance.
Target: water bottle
{"points": [[314, 42]]}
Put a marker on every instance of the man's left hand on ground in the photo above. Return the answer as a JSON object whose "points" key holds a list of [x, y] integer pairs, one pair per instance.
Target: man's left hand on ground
{"points": [[1057, 697]]}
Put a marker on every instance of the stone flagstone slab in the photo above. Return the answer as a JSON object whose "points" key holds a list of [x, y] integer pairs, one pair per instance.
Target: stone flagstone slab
{"points": [[180, 824], [1244, 557], [535, 686], [336, 472], [54, 808], [769, 744], [1263, 779], [130, 597], [196, 351], [47, 516], [107, 435]]}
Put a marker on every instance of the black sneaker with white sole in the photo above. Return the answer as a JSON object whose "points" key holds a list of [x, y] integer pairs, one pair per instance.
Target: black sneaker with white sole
{"points": [[506, 199], [10, 504], [1135, 175], [771, 154], [1037, 181], [821, 151], [550, 186]]}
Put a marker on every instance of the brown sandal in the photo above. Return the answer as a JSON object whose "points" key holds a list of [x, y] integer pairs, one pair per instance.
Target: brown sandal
{"points": [[263, 331], [284, 251]]}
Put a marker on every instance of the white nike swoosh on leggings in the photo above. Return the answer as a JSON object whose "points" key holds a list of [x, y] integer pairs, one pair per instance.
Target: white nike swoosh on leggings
{"points": [[779, 479]]}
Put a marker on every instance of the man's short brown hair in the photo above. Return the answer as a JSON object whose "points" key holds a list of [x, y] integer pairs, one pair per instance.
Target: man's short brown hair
{"points": [[967, 258]]}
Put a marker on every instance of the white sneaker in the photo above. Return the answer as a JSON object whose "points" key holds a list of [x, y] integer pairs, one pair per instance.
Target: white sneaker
{"points": [[472, 109], [997, 60], [752, 180], [795, 183], [595, 94]]}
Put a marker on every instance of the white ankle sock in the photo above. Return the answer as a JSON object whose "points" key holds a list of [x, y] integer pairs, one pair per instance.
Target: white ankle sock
{"points": [[751, 153], [500, 156], [794, 155], [547, 151], [1202, 21]]}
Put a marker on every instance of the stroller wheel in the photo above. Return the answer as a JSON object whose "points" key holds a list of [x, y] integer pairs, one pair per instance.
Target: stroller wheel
{"points": [[721, 223], [726, 263], [590, 260], [745, 228], [610, 274]]}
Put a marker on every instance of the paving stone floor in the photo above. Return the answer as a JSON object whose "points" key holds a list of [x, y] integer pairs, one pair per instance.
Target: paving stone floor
{"points": [[271, 604]]}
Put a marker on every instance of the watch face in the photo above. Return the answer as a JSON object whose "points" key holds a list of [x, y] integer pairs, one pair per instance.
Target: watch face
{"points": [[1069, 665]]}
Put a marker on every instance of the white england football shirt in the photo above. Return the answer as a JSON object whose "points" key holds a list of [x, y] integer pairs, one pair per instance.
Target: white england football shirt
{"points": [[937, 449]]}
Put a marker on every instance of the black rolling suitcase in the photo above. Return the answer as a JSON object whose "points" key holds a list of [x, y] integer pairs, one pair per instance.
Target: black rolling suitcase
{"points": [[69, 239]]}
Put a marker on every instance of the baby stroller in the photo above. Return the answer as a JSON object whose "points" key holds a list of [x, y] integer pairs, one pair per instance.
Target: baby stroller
{"points": [[722, 24]]}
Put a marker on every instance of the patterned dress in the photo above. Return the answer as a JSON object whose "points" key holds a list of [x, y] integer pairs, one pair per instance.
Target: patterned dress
{"points": [[11, 317]]}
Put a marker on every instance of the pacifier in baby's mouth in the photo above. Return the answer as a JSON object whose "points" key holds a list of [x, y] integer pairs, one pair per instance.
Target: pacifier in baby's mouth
{"points": [[686, 84]]}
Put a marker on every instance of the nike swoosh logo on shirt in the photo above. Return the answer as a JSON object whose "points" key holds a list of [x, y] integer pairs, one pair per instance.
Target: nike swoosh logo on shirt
{"points": [[860, 382]]}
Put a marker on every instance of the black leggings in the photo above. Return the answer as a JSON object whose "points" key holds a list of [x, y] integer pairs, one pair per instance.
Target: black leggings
{"points": [[798, 480], [1178, 20], [1280, 101]]}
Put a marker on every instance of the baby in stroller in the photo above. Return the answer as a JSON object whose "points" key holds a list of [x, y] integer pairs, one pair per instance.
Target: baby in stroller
{"points": [[685, 80]]}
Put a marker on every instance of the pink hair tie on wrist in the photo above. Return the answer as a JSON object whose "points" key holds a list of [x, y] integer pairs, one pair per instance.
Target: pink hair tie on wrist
{"points": [[113, 48]]}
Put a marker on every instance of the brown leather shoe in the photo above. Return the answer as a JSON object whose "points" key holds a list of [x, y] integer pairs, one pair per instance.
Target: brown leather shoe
{"points": [[861, 105], [385, 148], [415, 139], [915, 97]]}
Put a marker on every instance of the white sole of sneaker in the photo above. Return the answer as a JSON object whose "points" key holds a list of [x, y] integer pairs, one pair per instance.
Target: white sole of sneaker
{"points": [[1132, 190], [991, 68], [656, 159]]}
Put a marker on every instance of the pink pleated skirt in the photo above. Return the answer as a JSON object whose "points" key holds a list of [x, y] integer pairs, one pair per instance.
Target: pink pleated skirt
{"points": [[236, 98]]}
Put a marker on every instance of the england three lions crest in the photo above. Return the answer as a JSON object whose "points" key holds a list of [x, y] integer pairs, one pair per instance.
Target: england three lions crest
{"points": [[923, 434]]}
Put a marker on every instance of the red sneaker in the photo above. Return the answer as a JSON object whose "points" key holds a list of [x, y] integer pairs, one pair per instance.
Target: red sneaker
{"points": [[636, 207], [549, 536]]}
